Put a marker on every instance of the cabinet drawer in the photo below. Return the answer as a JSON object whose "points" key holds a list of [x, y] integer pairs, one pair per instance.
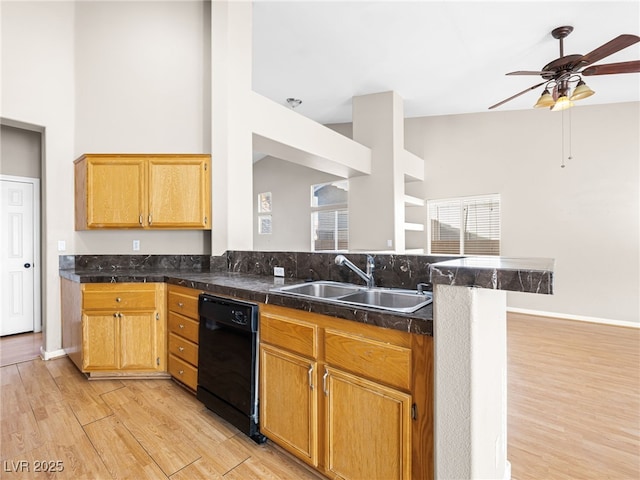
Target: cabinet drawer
{"points": [[186, 305], [379, 361], [181, 370], [183, 349], [183, 326], [119, 299], [297, 337]]}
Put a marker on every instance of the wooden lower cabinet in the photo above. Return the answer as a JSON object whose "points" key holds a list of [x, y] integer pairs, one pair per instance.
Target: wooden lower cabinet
{"points": [[182, 305], [368, 428], [352, 400], [115, 329], [288, 402]]}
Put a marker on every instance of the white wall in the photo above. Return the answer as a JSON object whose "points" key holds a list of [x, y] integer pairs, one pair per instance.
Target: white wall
{"points": [[105, 77], [38, 89], [142, 85], [585, 215]]}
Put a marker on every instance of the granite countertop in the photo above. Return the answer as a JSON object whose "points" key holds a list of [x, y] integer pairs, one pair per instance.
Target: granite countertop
{"points": [[242, 275], [257, 288]]}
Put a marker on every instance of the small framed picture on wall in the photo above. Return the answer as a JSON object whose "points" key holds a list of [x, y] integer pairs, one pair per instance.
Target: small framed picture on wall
{"points": [[264, 224], [264, 202]]}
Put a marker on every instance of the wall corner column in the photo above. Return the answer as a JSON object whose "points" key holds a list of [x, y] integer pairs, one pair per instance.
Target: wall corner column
{"points": [[470, 383], [232, 162]]}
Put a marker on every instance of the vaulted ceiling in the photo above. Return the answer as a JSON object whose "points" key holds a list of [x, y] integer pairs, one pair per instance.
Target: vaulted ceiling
{"points": [[441, 57]]}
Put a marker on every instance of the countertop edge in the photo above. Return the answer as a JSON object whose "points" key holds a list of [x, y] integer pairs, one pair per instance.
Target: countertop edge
{"points": [[527, 275]]}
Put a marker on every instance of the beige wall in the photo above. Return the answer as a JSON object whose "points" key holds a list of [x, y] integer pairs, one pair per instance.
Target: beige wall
{"points": [[20, 152], [585, 215], [290, 185]]}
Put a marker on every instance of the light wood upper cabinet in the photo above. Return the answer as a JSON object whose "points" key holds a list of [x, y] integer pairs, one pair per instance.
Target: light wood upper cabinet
{"points": [[143, 191]]}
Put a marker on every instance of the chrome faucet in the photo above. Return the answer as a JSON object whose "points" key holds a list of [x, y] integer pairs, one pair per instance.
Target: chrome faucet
{"points": [[367, 277]]}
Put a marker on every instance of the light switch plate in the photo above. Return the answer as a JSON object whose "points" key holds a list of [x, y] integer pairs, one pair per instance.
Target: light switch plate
{"points": [[136, 245], [62, 245], [278, 271]]}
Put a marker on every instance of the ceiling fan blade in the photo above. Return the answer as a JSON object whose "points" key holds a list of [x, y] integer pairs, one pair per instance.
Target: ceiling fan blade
{"points": [[613, 68], [525, 72], [517, 95], [609, 48]]}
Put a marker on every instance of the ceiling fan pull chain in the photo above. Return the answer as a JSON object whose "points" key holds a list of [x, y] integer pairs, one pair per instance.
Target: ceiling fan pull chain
{"points": [[570, 132], [562, 130]]}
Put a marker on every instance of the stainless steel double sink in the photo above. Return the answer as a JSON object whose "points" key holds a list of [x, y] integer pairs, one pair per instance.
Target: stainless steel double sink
{"points": [[392, 299]]}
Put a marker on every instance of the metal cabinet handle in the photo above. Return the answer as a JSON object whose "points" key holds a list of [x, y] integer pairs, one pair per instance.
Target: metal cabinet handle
{"points": [[118, 299], [181, 349], [140, 219], [180, 304], [324, 382], [115, 315], [311, 377], [150, 219], [181, 372], [181, 326]]}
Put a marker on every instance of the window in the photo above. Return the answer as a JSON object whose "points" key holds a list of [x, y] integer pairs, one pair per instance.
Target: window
{"points": [[465, 226], [330, 216]]}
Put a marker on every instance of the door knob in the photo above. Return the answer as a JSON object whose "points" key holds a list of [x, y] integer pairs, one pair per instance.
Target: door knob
{"points": [[27, 265]]}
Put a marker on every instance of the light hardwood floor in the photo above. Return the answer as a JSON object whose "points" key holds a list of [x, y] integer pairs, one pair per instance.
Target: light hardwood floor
{"points": [[129, 429], [19, 348], [574, 413], [573, 400]]}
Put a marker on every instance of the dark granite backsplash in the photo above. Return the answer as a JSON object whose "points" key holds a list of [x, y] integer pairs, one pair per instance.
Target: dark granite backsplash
{"points": [[391, 270], [114, 263]]}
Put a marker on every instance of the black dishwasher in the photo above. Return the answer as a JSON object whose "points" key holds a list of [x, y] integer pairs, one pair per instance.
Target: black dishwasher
{"points": [[228, 361]]}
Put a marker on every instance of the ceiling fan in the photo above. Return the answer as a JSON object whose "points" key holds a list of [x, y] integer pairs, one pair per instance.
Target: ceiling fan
{"points": [[559, 74]]}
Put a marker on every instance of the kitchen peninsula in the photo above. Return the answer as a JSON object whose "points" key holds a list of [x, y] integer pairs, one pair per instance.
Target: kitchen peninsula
{"points": [[467, 319]]}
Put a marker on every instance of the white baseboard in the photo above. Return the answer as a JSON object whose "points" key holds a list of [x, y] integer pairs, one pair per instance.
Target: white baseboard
{"points": [[579, 318], [507, 471], [51, 355]]}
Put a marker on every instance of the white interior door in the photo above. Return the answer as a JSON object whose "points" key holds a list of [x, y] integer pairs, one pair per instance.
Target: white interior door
{"points": [[18, 255]]}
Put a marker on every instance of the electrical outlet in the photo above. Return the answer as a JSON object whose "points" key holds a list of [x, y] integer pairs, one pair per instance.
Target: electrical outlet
{"points": [[389, 243], [62, 245], [136, 245], [278, 271]]}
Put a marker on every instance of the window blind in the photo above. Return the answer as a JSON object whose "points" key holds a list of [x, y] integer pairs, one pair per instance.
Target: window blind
{"points": [[330, 230], [465, 226]]}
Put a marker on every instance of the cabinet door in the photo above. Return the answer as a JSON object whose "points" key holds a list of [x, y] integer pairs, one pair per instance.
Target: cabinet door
{"points": [[100, 341], [368, 428], [179, 193], [138, 341], [115, 192], [288, 402]]}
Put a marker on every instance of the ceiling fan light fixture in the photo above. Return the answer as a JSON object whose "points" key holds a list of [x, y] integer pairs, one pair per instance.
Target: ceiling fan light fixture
{"points": [[545, 100], [581, 91], [562, 103]]}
